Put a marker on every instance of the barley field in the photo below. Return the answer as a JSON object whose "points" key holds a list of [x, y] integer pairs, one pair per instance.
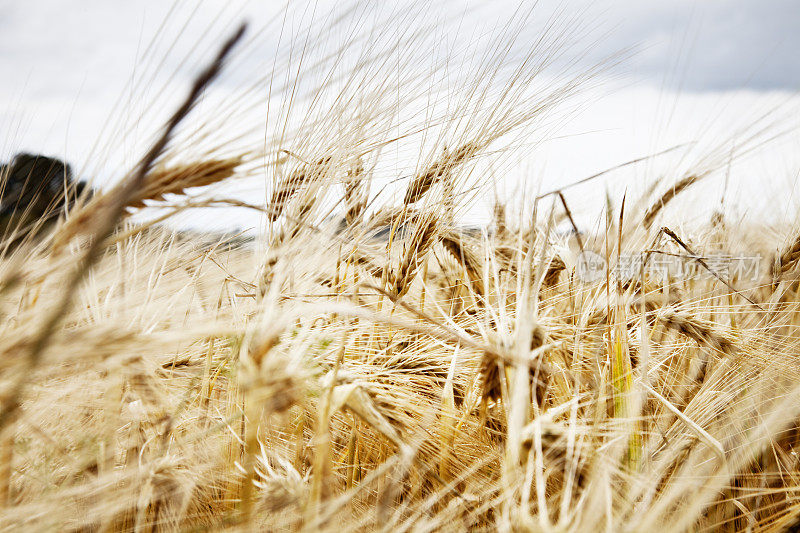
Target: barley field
{"points": [[370, 361]]}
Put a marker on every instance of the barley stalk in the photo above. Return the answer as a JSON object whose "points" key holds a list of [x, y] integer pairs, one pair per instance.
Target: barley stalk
{"points": [[423, 181], [667, 197]]}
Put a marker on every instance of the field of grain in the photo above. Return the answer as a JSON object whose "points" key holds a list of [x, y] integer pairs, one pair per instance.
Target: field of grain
{"points": [[369, 362]]}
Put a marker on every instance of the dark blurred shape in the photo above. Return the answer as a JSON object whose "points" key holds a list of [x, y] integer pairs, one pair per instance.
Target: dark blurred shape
{"points": [[34, 190]]}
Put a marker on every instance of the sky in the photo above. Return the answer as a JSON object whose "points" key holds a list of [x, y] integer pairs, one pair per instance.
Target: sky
{"points": [[688, 72]]}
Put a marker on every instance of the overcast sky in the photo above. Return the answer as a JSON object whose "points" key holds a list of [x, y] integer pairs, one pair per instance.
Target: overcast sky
{"points": [[715, 44], [694, 66]]}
